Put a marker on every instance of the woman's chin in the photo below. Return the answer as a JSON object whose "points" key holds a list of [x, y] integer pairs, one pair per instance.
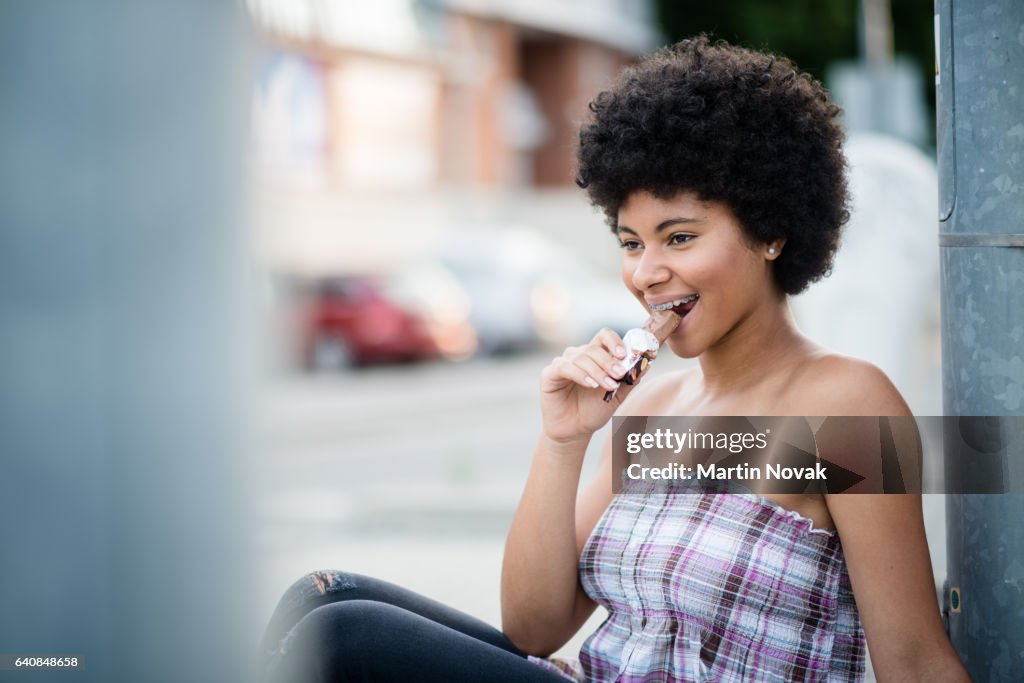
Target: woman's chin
{"points": [[683, 349]]}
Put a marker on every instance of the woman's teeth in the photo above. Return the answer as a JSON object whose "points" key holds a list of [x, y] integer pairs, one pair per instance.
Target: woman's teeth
{"points": [[678, 302]]}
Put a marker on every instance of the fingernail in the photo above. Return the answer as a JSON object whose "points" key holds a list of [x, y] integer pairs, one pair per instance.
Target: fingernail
{"points": [[610, 383], [591, 383], [620, 351], [620, 370]]}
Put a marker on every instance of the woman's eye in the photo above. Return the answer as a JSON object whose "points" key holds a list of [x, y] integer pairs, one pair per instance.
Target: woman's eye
{"points": [[680, 238], [630, 245]]}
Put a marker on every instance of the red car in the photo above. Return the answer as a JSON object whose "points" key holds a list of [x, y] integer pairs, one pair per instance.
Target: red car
{"points": [[349, 321]]}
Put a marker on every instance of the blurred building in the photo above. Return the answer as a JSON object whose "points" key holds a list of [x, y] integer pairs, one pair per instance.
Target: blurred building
{"points": [[398, 118], [881, 301]]}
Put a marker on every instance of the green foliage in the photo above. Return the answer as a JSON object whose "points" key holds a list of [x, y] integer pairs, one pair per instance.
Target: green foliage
{"points": [[810, 32]]}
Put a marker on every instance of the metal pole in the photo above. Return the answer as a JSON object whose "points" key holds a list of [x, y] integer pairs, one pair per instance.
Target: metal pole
{"points": [[980, 84], [876, 33], [121, 267]]}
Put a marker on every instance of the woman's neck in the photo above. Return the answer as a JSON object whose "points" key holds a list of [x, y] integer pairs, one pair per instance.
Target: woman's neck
{"points": [[766, 342]]}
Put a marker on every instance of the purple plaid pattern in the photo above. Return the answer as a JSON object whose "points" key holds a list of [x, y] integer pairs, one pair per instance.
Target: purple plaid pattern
{"points": [[715, 587]]}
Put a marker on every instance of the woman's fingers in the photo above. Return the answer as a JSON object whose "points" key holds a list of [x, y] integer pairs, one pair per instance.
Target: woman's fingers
{"points": [[562, 369], [611, 342], [603, 373], [590, 366], [604, 364], [601, 363]]}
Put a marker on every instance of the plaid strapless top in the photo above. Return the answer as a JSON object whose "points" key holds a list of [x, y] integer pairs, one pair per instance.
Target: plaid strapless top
{"points": [[715, 587]]}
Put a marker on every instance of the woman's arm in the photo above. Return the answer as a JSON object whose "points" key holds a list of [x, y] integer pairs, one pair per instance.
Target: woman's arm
{"points": [[887, 552], [890, 570], [542, 603]]}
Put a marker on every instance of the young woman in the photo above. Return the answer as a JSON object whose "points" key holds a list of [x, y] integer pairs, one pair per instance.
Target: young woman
{"points": [[721, 173]]}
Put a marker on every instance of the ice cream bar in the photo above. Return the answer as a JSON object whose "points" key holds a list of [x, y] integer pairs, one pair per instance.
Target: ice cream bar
{"points": [[642, 345], [661, 324]]}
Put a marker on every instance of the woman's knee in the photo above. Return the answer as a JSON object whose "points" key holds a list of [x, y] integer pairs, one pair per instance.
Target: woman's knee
{"points": [[306, 594], [319, 584], [350, 635], [354, 623]]}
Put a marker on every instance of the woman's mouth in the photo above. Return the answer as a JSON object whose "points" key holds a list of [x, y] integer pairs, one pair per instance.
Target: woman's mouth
{"points": [[681, 306]]}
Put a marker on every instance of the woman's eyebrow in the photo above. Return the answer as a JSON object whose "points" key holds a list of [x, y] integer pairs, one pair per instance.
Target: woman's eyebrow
{"points": [[661, 226]]}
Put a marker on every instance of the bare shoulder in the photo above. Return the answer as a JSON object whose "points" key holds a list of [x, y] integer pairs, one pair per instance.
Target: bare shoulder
{"points": [[835, 384], [654, 395]]}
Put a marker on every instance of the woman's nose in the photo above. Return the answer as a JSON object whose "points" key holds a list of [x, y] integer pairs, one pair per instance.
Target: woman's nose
{"points": [[651, 270]]}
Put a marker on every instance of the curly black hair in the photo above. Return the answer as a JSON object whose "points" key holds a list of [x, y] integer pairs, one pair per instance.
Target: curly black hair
{"points": [[729, 124]]}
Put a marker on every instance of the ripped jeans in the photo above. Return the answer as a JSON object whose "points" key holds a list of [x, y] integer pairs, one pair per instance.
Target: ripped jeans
{"points": [[332, 626]]}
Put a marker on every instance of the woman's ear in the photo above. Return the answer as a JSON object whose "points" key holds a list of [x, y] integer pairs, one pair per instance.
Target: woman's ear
{"points": [[773, 249]]}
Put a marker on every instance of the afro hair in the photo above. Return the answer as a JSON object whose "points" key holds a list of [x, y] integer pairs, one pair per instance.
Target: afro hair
{"points": [[728, 124]]}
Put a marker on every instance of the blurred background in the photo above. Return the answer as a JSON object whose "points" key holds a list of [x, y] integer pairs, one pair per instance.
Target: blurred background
{"points": [[281, 275], [427, 251]]}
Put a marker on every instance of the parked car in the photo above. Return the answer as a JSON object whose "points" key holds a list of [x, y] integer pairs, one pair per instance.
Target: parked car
{"points": [[526, 291], [349, 321], [571, 303], [497, 274], [436, 295]]}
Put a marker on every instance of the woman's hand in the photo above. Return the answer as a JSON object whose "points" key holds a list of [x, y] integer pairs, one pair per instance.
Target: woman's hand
{"points": [[572, 388]]}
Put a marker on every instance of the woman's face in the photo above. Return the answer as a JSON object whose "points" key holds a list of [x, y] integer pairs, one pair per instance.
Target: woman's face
{"points": [[676, 248]]}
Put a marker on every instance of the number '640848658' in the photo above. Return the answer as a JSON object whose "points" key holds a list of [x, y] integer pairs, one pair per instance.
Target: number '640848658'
{"points": [[46, 661]]}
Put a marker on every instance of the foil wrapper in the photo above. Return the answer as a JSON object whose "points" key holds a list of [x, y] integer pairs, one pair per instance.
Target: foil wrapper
{"points": [[642, 346]]}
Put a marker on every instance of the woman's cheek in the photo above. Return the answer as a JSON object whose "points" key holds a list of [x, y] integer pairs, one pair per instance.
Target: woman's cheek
{"points": [[627, 279], [709, 271]]}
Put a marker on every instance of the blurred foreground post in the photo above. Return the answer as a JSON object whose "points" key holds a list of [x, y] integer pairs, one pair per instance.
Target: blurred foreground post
{"points": [[980, 47], [122, 128]]}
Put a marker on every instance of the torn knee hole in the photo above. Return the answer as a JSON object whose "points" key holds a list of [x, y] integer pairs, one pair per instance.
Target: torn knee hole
{"points": [[325, 580]]}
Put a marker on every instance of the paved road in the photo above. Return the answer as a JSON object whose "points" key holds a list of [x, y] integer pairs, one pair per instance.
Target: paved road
{"points": [[377, 442]]}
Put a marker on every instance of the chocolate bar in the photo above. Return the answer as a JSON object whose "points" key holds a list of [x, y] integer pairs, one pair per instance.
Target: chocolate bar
{"points": [[642, 345]]}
